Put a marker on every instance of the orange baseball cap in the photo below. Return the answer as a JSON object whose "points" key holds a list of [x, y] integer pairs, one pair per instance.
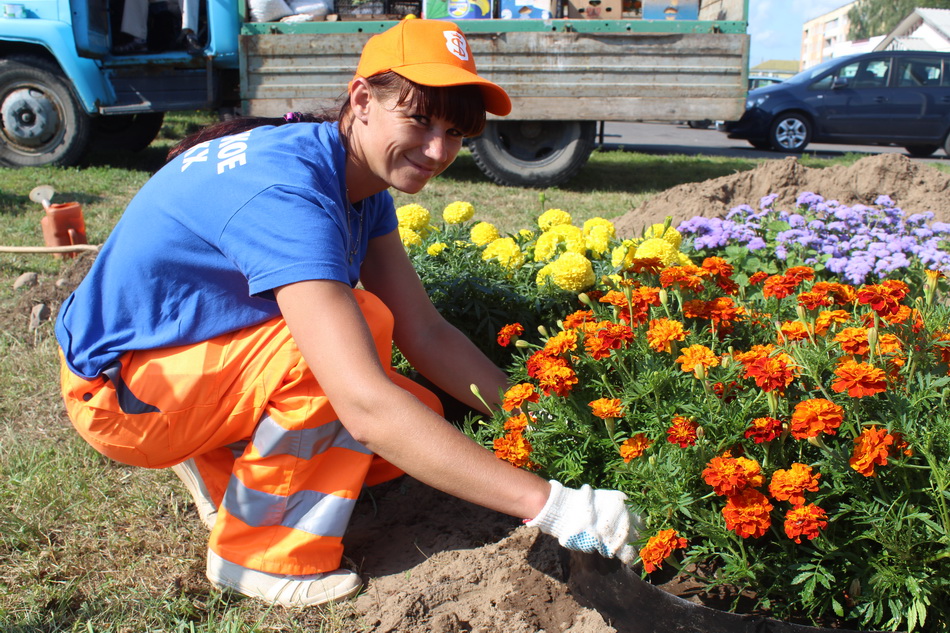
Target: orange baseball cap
{"points": [[430, 53]]}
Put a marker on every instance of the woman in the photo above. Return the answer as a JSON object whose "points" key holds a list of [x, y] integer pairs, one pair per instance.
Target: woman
{"points": [[220, 332]]}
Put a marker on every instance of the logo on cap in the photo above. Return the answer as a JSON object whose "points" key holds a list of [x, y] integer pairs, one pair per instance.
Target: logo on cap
{"points": [[456, 44]]}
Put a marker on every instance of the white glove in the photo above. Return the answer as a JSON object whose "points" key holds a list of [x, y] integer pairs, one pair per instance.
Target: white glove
{"points": [[589, 520]]}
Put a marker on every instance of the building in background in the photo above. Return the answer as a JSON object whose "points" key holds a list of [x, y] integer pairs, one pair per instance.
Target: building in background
{"points": [[826, 37], [778, 68], [922, 30]]}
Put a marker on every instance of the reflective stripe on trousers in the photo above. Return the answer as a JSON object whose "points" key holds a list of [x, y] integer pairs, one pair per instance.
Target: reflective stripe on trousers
{"points": [[271, 450]]}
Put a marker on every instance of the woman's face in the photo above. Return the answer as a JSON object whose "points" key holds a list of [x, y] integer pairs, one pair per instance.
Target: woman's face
{"points": [[402, 147]]}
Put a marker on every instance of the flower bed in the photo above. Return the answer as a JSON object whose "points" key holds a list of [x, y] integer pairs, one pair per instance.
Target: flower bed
{"points": [[776, 421]]}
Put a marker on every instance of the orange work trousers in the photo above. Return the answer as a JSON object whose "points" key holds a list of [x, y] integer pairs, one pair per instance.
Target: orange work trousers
{"points": [[282, 469]]}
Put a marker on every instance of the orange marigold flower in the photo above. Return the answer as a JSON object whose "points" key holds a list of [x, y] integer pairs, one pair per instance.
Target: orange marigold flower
{"points": [[779, 286], [758, 278], [755, 353], [828, 318], [813, 417], [660, 547], [800, 273], [696, 309], [516, 422], [578, 319], [607, 408], [772, 373], [724, 310], [884, 298], [859, 379], [513, 448], [615, 298], [663, 332], [805, 521], [747, 513], [688, 277], [764, 429], [794, 331], [901, 445], [790, 485], [889, 344], [561, 343], [942, 348], [518, 395], [696, 356], [717, 266], [814, 300], [634, 447], [682, 431], [853, 340], [542, 360], [557, 378], [729, 475], [871, 448], [651, 265], [841, 294], [727, 393], [508, 332]]}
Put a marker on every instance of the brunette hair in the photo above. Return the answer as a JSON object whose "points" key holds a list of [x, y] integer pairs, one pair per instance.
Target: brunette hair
{"points": [[462, 105]]}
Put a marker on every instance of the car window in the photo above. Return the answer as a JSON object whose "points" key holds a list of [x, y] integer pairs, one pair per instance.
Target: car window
{"points": [[915, 72], [868, 73]]}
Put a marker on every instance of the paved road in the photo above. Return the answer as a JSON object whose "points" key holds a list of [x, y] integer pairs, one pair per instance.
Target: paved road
{"points": [[666, 138]]}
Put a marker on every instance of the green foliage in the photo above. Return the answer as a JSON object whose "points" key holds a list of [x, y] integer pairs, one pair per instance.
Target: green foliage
{"points": [[879, 17]]}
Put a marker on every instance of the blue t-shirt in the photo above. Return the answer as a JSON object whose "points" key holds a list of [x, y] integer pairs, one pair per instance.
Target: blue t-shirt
{"points": [[201, 247]]}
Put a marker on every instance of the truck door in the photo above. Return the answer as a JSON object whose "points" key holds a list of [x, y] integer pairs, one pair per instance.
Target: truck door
{"points": [[91, 27]]}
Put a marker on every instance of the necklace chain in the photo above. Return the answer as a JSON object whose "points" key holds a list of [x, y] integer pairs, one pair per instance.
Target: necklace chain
{"points": [[355, 244]]}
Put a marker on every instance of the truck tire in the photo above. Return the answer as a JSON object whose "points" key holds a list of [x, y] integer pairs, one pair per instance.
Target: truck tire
{"points": [[126, 132], [41, 120], [533, 153]]}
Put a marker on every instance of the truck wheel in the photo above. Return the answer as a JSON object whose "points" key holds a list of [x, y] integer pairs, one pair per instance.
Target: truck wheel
{"points": [[41, 121], [126, 132], [533, 153]]}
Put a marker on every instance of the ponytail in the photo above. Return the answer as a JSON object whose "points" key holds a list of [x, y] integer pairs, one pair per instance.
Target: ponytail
{"points": [[238, 125]]}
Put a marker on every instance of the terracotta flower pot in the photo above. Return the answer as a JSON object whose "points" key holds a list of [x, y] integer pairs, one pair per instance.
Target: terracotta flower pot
{"points": [[633, 605]]}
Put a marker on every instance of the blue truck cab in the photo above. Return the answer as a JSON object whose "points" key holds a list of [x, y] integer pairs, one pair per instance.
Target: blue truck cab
{"points": [[64, 88]]}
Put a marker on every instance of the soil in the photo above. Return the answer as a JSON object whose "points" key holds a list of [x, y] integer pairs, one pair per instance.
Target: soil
{"points": [[433, 563], [914, 187]]}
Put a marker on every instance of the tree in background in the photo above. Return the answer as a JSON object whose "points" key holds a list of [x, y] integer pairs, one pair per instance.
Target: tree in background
{"points": [[879, 17]]}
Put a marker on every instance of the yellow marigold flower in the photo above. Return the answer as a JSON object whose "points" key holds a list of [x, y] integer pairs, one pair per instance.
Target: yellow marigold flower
{"points": [[458, 212], [572, 272], [409, 237], [682, 259], [553, 217], [413, 216], [506, 251], [659, 249], [672, 236], [525, 235], [598, 240], [599, 223], [549, 244], [435, 249], [484, 233], [542, 277], [622, 256]]}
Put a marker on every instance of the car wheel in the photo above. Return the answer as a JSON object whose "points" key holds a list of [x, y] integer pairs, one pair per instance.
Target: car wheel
{"points": [[41, 120], [921, 151], [533, 153], [126, 132], [760, 144], [790, 133]]}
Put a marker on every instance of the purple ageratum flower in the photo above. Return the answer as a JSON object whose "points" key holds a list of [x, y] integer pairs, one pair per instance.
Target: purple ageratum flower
{"points": [[884, 201], [837, 226], [837, 264], [816, 225], [919, 218], [940, 228], [742, 209], [807, 199], [847, 214], [796, 220], [886, 265], [756, 243], [858, 268], [766, 201]]}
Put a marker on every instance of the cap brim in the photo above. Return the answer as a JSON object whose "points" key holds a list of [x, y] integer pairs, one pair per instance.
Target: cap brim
{"points": [[495, 98]]}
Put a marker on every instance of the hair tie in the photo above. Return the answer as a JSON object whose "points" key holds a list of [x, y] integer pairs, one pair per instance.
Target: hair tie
{"points": [[293, 117]]}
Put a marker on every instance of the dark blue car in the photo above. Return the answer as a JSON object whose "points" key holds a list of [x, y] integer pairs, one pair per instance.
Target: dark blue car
{"points": [[882, 98]]}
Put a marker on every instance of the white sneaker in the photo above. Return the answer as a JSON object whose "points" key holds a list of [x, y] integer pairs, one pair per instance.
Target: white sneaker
{"points": [[287, 591], [187, 471]]}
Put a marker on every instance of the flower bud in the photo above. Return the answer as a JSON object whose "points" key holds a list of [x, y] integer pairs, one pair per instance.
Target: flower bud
{"points": [[854, 589], [699, 371], [522, 344], [816, 441], [543, 330], [700, 432], [800, 311], [585, 299], [664, 296]]}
